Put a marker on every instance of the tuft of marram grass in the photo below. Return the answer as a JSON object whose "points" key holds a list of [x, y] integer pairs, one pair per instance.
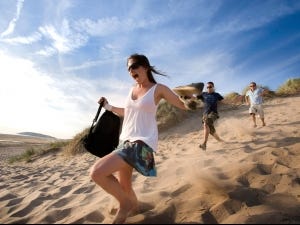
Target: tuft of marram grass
{"points": [[168, 115], [26, 156], [33, 152], [75, 146], [290, 87]]}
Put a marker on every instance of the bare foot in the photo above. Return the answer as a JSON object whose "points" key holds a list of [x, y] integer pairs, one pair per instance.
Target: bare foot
{"points": [[134, 210], [203, 146], [134, 203], [123, 212]]}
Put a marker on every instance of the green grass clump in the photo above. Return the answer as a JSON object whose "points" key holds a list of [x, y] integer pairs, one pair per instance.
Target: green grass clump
{"points": [[32, 152], [168, 115], [75, 146], [233, 98], [290, 87], [26, 156]]}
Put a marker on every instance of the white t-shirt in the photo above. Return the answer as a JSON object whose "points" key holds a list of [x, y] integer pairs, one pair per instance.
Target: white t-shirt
{"points": [[140, 119], [255, 96]]}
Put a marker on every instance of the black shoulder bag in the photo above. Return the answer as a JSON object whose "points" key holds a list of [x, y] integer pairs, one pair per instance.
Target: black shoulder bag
{"points": [[103, 136]]}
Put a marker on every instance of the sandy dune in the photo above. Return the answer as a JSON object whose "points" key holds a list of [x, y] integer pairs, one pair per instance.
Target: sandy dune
{"points": [[252, 178]]}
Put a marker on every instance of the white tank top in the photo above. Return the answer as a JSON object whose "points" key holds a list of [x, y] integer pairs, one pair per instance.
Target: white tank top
{"points": [[140, 119]]}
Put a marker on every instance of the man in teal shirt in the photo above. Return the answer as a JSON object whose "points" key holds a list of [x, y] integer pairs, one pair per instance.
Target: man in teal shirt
{"points": [[210, 99]]}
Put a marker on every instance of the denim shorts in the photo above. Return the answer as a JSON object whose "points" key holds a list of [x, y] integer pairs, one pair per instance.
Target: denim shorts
{"points": [[138, 155]]}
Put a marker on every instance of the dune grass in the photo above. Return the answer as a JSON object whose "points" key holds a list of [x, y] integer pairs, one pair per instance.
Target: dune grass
{"points": [[290, 87], [33, 152], [75, 146], [233, 98], [26, 156], [168, 115]]}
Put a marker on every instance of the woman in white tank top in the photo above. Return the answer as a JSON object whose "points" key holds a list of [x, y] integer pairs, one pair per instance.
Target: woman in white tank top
{"points": [[139, 136]]}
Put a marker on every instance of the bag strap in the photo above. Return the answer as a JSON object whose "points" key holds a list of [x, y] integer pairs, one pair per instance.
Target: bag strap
{"points": [[96, 117], [98, 112]]}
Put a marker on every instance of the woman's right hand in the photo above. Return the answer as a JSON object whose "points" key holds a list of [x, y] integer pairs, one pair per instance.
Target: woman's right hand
{"points": [[105, 104], [103, 100]]}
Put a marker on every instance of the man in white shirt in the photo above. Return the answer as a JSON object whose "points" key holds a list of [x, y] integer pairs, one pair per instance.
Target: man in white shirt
{"points": [[254, 98]]}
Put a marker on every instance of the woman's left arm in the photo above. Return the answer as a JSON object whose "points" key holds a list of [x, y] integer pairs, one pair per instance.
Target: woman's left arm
{"points": [[163, 92]]}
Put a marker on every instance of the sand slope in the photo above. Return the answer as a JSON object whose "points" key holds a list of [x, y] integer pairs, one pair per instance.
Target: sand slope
{"points": [[252, 178]]}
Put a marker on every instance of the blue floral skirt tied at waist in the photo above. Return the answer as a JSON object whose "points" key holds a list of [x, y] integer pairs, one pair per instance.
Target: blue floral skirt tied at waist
{"points": [[138, 155]]}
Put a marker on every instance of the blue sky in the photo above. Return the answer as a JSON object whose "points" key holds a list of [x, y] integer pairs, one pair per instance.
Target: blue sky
{"points": [[57, 57]]}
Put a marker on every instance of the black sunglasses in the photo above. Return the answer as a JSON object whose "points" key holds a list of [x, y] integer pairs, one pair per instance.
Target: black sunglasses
{"points": [[209, 87], [135, 76], [134, 66]]}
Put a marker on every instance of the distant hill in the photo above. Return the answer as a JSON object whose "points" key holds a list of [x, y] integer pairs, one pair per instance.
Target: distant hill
{"points": [[32, 134]]}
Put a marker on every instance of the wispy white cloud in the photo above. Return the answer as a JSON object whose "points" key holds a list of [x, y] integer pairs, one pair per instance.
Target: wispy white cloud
{"points": [[47, 51], [111, 50], [11, 26], [212, 66], [111, 25], [87, 64], [23, 40], [64, 41]]}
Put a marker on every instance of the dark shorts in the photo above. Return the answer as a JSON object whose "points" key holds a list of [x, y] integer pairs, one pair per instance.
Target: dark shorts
{"points": [[209, 119], [138, 155]]}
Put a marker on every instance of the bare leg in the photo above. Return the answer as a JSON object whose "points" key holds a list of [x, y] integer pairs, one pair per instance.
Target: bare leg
{"points": [[206, 131], [102, 174], [263, 122], [254, 120], [125, 177], [216, 136]]}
